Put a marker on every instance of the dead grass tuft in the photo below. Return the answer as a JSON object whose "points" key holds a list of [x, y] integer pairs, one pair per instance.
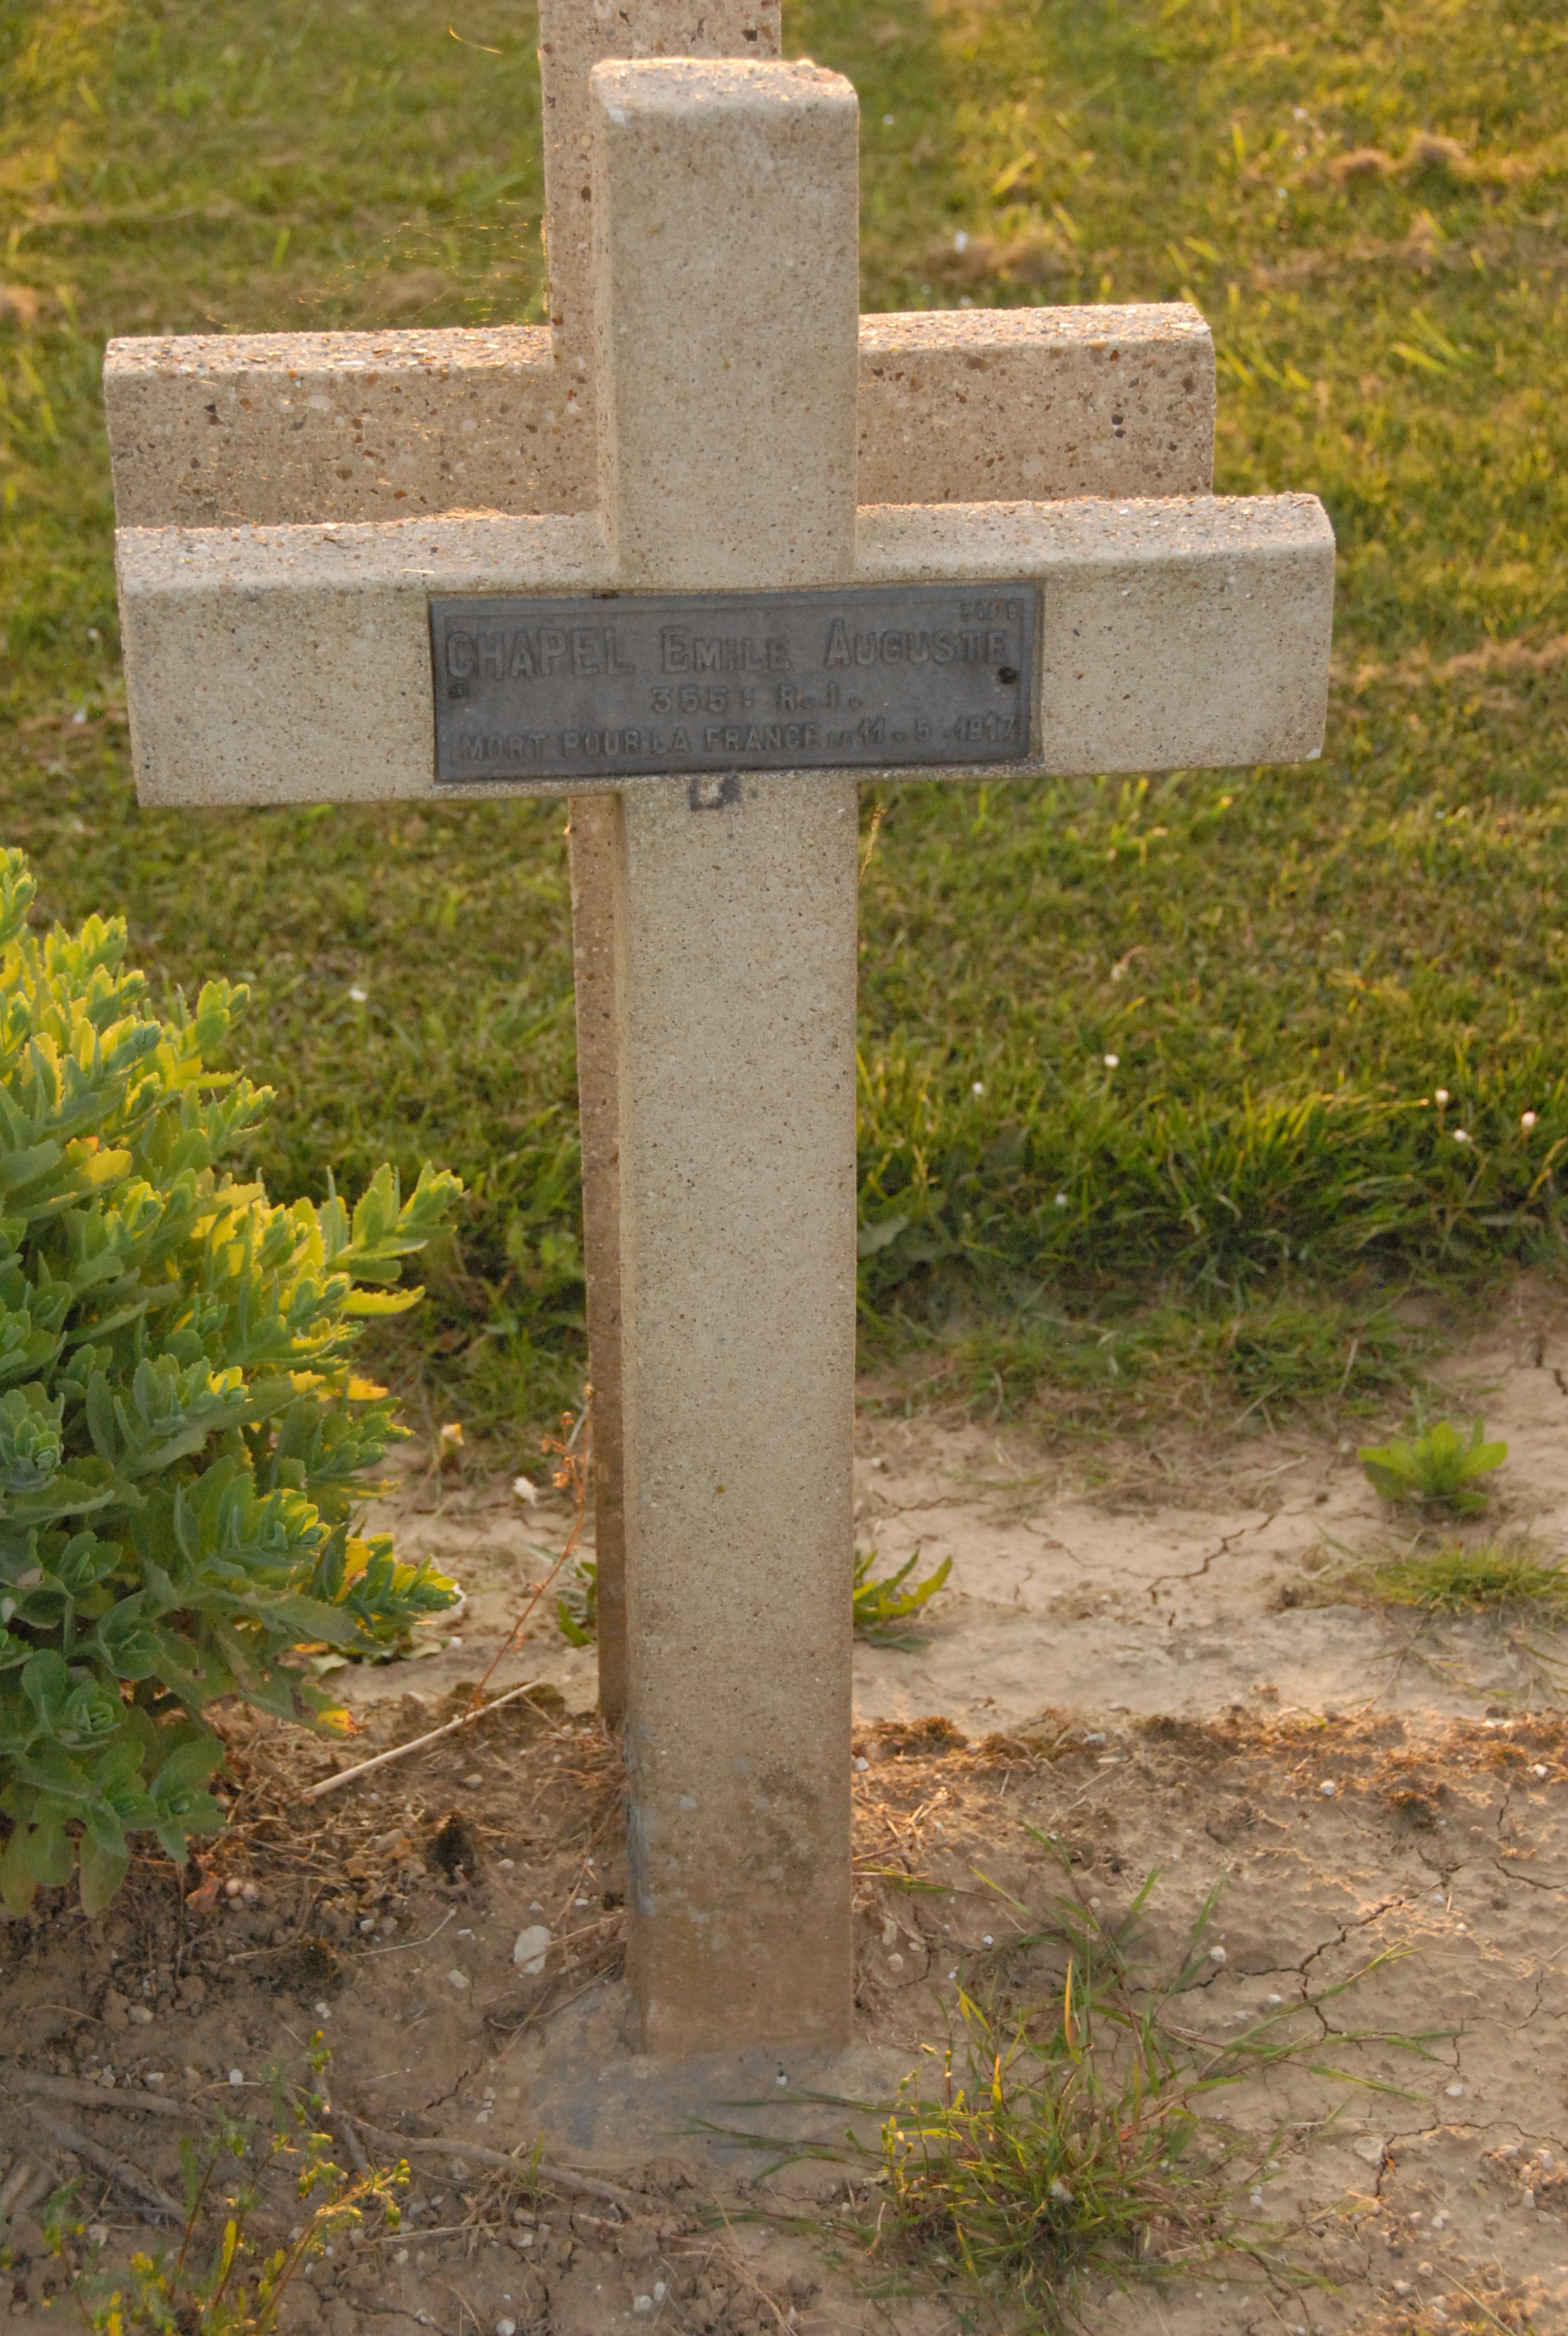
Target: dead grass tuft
{"points": [[930, 1738]]}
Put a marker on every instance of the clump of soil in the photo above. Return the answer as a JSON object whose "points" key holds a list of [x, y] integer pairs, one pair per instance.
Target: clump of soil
{"points": [[454, 1849]]}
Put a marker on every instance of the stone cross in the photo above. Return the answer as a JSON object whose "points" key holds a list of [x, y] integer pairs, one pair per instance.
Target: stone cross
{"points": [[375, 651], [971, 405]]}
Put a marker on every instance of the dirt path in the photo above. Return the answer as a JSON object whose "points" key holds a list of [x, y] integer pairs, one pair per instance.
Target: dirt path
{"points": [[1140, 1686]]}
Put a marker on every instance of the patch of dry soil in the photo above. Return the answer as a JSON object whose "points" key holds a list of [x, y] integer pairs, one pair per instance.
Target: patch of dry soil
{"points": [[1185, 1581], [1141, 1687]]}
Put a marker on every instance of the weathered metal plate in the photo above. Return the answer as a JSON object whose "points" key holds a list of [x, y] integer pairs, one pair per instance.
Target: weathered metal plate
{"points": [[633, 685]]}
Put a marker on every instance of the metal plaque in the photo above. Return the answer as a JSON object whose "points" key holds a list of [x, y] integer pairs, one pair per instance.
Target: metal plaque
{"points": [[633, 685]]}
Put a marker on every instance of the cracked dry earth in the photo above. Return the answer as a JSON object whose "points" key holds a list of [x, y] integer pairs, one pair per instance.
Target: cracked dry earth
{"points": [[1382, 1805]]}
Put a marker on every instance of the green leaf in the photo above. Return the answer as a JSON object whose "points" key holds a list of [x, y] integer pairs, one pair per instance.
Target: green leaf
{"points": [[102, 1868], [48, 1854], [18, 1883], [879, 1606]]}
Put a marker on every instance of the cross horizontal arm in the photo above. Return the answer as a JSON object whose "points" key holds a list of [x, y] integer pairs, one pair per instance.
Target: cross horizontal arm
{"points": [[292, 664], [955, 405]]}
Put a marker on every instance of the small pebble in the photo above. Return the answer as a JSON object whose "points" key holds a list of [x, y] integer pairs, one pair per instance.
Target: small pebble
{"points": [[1456, 2092], [1218, 1955], [506, 2328], [642, 2303], [862, 1764], [530, 1948], [1328, 1788], [237, 2076], [459, 1979]]}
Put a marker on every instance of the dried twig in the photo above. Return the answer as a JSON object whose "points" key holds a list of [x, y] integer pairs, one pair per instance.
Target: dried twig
{"points": [[19, 2186], [129, 2178], [344, 2126], [84, 2096], [557, 2178], [570, 1474], [318, 1791], [546, 2011]]}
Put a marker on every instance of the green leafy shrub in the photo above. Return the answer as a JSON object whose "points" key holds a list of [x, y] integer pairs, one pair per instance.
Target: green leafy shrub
{"points": [[183, 1440], [1436, 1469]]}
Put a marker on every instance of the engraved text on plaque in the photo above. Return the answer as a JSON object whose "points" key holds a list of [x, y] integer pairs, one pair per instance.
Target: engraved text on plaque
{"points": [[633, 685]]}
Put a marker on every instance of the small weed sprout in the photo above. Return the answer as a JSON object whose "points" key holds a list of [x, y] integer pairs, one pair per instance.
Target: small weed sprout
{"points": [[879, 1607], [238, 2292], [1436, 1469], [576, 1608], [57, 2217]]}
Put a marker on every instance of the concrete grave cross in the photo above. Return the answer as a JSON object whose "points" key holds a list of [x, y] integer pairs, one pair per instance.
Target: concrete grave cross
{"points": [[273, 661], [974, 405]]}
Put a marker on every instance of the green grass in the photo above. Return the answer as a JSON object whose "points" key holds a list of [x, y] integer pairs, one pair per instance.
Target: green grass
{"points": [[1287, 964], [1074, 2145], [1463, 1578]]}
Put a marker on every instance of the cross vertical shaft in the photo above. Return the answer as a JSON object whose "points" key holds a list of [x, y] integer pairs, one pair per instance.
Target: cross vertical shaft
{"points": [[572, 38], [726, 228]]}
